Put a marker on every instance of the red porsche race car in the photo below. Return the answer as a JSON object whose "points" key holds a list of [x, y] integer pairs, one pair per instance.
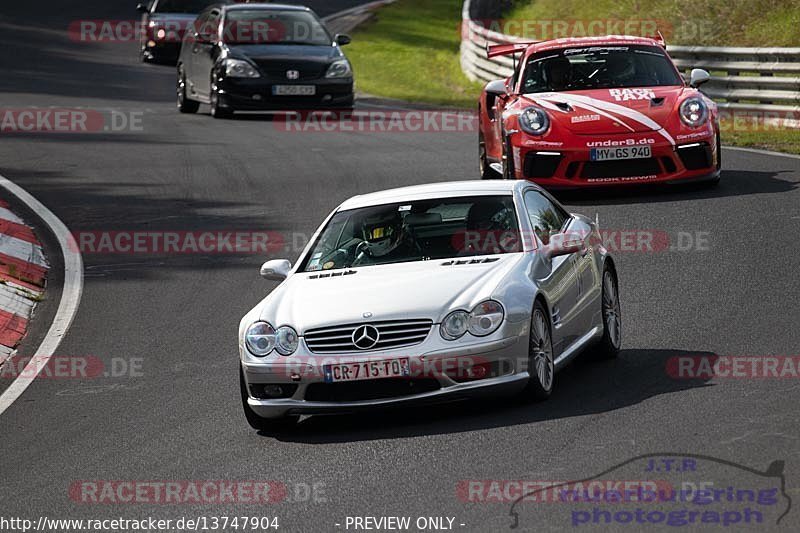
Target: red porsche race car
{"points": [[592, 111]]}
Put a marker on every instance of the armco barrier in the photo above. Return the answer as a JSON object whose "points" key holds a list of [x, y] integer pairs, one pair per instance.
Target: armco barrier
{"points": [[763, 80]]}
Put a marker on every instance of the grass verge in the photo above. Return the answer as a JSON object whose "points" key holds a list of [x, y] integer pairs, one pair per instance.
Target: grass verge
{"points": [[411, 52], [776, 140], [699, 22]]}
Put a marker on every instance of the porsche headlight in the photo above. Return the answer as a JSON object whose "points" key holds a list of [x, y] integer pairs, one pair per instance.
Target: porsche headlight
{"points": [[455, 325], [339, 69], [485, 318], [260, 339], [534, 121], [237, 68], [694, 112], [286, 340]]}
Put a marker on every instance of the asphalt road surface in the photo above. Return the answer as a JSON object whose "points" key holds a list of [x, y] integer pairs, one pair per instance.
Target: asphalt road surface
{"points": [[727, 285]]}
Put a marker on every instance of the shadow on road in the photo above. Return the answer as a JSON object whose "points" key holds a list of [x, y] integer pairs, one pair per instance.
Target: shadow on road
{"points": [[584, 388], [733, 183]]}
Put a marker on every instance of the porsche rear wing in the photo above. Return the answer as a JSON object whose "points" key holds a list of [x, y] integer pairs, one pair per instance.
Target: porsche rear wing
{"points": [[506, 49]]}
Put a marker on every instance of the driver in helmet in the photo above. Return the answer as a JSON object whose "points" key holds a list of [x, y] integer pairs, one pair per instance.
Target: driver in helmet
{"points": [[620, 67], [385, 240], [558, 72]]}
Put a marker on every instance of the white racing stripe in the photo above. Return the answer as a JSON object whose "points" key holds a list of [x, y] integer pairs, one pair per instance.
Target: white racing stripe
{"points": [[580, 100], [70, 296]]}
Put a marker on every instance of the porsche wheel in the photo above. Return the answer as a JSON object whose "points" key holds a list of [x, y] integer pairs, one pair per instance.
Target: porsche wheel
{"points": [[541, 366], [612, 317]]}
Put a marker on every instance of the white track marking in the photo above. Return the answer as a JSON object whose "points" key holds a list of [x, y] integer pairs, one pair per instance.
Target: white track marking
{"points": [[70, 296], [761, 152]]}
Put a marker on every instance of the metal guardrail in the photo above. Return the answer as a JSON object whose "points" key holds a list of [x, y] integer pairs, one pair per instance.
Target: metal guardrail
{"points": [[762, 80]]}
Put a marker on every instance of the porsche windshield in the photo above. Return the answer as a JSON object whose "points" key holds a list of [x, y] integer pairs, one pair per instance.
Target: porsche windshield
{"points": [[417, 231], [599, 67]]}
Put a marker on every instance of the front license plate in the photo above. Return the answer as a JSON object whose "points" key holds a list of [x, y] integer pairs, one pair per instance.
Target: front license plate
{"points": [[396, 368], [294, 90], [626, 152]]}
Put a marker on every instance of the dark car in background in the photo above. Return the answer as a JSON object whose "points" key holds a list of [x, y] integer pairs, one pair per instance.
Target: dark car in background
{"points": [[164, 23], [262, 57]]}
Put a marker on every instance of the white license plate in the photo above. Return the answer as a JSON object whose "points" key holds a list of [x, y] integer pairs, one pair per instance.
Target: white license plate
{"points": [[396, 368], [625, 152], [294, 90]]}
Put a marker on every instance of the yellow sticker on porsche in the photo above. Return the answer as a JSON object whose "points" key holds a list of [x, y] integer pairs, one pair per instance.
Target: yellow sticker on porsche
{"points": [[396, 368], [624, 152]]}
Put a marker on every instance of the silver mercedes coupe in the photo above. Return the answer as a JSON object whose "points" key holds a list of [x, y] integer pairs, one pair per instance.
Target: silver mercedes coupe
{"points": [[429, 293]]}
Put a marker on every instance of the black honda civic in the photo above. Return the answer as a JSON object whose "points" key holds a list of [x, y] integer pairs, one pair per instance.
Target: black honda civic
{"points": [[262, 57]]}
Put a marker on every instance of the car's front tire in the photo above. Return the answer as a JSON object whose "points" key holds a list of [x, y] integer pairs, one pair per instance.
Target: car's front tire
{"points": [[486, 171], [508, 161], [612, 317], [185, 105], [541, 366], [217, 111], [260, 423]]}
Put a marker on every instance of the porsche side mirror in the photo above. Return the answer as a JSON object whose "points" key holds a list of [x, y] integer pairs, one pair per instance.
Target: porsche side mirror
{"points": [[343, 39], [698, 77], [141, 8], [496, 87], [276, 270]]}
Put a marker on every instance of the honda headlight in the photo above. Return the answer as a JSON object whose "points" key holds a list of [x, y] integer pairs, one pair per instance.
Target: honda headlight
{"points": [[485, 318], [694, 112], [260, 339], [237, 68], [534, 121], [455, 325], [339, 69], [286, 340]]}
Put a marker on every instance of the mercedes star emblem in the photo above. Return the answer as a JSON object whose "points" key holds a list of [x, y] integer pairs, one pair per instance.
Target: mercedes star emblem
{"points": [[366, 337]]}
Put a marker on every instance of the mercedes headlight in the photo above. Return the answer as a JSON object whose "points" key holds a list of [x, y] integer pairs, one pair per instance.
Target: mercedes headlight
{"points": [[286, 340], [694, 112], [485, 318], [455, 325], [339, 69], [237, 68], [260, 339], [480, 322], [534, 121]]}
